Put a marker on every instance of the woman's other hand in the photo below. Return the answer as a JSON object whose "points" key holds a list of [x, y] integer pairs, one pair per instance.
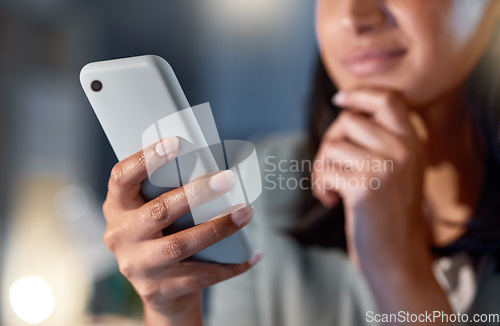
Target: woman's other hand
{"points": [[372, 157]]}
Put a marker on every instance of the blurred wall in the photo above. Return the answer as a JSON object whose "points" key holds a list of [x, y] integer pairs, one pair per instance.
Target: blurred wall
{"points": [[250, 59]]}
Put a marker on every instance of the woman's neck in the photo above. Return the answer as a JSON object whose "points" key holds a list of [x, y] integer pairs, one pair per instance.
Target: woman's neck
{"points": [[453, 177]]}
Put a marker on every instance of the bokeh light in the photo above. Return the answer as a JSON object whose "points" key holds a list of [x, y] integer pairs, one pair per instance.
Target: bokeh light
{"points": [[32, 299]]}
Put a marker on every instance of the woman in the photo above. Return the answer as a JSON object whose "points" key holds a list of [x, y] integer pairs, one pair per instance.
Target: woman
{"points": [[417, 95]]}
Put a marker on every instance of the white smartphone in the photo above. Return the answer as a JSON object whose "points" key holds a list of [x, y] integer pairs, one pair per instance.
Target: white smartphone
{"points": [[131, 97]]}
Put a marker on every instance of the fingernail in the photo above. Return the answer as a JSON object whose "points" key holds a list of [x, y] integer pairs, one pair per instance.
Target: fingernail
{"points": [[223, 181], [236, 207], [168, 146], [242, 215], [339, 98], [256, 257], [229, 210]]}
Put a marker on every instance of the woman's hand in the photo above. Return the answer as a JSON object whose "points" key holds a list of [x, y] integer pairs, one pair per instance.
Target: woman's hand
{"points": [[373, 158], [168, 286]]}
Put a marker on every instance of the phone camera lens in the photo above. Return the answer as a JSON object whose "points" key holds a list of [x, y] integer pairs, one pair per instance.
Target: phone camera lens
{"points": [[96, 86]]}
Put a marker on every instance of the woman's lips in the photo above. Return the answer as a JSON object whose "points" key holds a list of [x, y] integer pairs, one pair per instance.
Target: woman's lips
{"points": [[372, 62]]}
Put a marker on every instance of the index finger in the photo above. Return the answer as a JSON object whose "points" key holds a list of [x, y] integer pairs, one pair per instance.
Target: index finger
{"points": [[127, 175], [387, 108]]}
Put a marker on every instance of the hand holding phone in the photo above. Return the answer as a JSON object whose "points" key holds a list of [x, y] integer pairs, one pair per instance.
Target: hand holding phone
{"points": [[138, 102], [155, 264], [132, 98]]}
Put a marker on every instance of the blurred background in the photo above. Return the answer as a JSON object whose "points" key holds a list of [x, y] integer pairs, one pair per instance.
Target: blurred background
{"points": [[251, 59]]}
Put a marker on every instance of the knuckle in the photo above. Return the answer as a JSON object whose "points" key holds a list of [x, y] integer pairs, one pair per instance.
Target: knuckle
{"points": [[157, 212], [141, 161], [110, 240], [148, 297], [175, 249], [217, 230], [109, 209], [148, 291], [126, 268], [188, 284], [105, 208], [117, 175]]}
